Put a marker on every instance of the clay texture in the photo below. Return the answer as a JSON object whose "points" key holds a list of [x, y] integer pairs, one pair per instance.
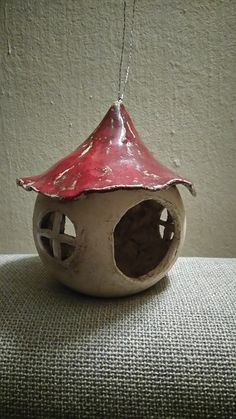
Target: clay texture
{"points": [[90, 267]]}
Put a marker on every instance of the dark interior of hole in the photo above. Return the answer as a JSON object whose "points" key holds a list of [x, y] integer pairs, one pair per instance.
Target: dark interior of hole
{"points": [[47, 221], [139, 246], [47, 244], [66, 251]]}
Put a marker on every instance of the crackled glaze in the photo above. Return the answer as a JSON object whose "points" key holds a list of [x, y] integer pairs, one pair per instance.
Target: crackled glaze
{"points": [[113, 157]]}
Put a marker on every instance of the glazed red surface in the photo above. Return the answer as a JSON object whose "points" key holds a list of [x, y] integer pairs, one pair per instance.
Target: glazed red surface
{"points": [[113, 157]]}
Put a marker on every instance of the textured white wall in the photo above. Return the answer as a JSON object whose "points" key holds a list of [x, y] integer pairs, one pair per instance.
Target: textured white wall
{"points": [[59, 72]]}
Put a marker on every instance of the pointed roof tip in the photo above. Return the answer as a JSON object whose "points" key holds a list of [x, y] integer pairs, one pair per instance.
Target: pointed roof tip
{"points": [[113, 157]]}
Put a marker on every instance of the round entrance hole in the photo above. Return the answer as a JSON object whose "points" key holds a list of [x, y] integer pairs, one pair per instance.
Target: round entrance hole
{"points": [[142, 238]]}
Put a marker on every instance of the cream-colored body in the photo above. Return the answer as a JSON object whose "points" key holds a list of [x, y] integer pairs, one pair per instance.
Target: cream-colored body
{"points": [[92, 269]]}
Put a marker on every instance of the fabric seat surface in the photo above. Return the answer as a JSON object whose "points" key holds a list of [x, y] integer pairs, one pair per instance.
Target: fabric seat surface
{"points": [[168, 352]]}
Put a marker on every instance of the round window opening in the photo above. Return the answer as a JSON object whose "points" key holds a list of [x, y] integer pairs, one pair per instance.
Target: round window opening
{"points": [[142, 238], [57, 235]]}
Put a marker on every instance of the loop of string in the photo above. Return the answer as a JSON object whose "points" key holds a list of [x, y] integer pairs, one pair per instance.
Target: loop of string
{"points": [[121, 91]]}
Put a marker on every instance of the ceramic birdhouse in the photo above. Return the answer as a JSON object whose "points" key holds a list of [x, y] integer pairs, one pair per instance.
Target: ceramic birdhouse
{"points": [[127, 217]]}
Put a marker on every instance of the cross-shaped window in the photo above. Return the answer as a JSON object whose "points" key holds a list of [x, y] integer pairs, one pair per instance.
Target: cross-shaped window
{"points": [[53, 235], [166, 225]]}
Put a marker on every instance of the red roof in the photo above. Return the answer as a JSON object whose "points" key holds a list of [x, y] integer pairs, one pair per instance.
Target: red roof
{"points": [[113, 157]]}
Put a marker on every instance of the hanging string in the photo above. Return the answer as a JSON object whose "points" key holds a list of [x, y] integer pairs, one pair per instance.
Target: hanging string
{"points": [[121, 91]]}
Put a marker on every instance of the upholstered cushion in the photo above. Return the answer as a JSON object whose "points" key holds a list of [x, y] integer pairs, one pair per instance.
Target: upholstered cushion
{"points": [[165, 353]]}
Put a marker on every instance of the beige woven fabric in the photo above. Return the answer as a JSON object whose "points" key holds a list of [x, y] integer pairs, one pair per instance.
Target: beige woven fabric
{"points": [[165, 353]]}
